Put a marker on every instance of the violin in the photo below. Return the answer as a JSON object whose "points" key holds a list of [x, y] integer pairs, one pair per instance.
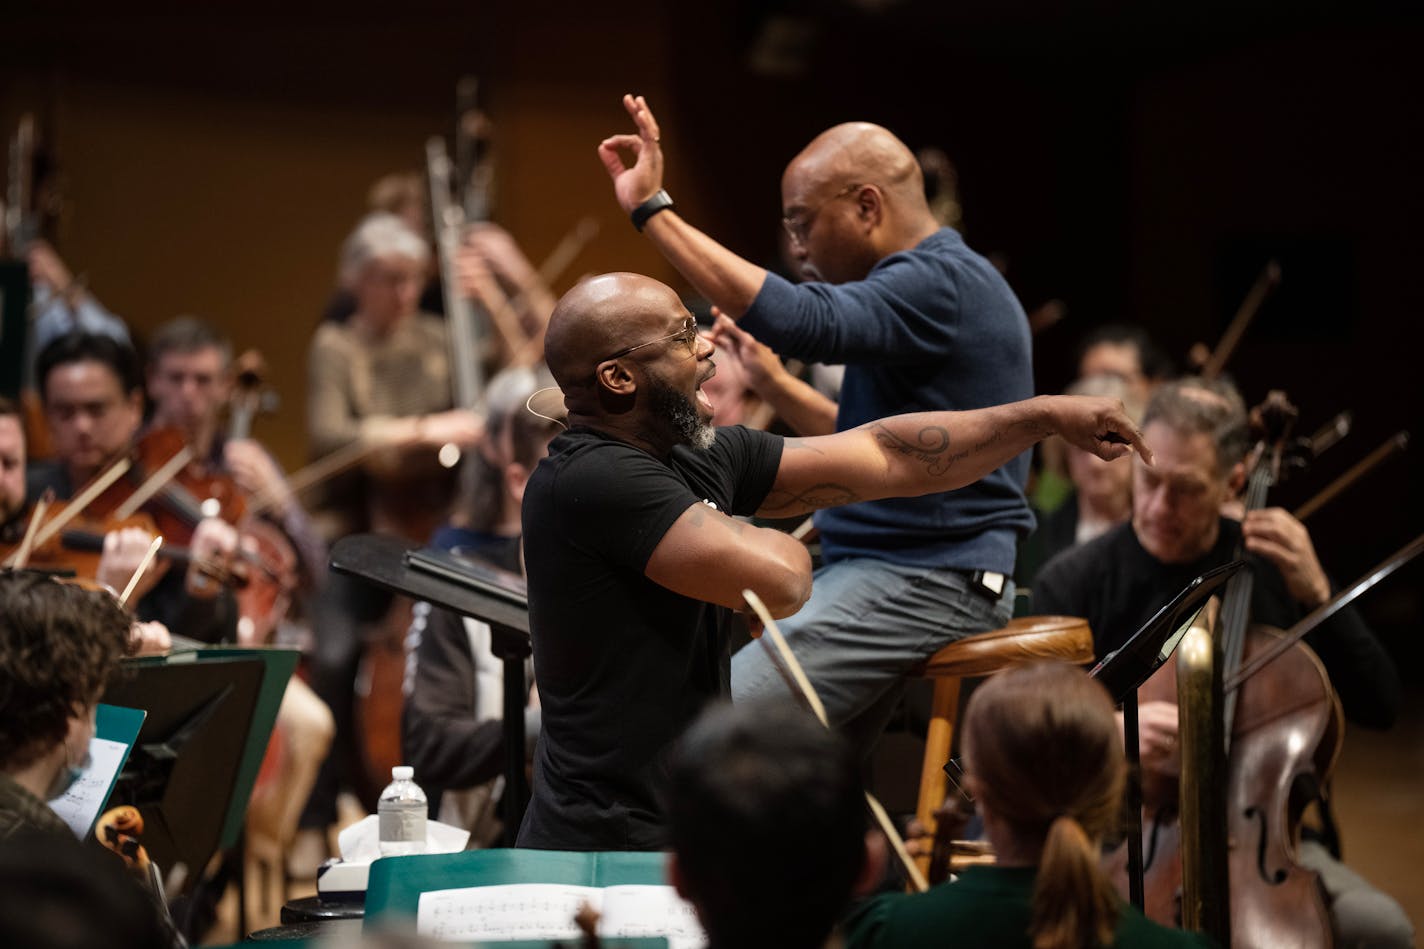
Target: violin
{"points": [[194, 490], [118, 830], [65, 538]]}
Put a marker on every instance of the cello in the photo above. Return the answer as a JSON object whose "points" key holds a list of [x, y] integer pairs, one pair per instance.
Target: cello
{"points": [[1284, 727]]}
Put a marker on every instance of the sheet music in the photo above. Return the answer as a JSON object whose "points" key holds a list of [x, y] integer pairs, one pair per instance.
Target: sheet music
{"points": [[509, 911], [79, 806], [546, 911], [634, 911]]}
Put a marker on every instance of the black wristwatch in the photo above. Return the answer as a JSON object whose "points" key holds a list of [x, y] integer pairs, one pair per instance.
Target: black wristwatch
{"points": [[660, 201]]}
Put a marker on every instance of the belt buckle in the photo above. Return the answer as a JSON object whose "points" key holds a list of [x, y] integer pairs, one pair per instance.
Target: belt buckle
{"points": [[990, 583]]}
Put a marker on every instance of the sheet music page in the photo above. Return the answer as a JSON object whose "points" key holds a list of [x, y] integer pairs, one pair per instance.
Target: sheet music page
{"points": [[507, 911], [79, 806], [634, 911]]}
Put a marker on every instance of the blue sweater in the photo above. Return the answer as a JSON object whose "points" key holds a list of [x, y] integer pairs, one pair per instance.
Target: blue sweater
{"points": [[934, 327]]}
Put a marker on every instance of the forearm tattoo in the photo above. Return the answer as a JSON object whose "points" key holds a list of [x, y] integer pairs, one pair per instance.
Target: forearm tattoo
{"points": [[814, 497], [931, 447]]}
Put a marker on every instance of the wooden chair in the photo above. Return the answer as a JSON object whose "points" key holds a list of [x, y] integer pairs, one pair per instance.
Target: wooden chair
{"points": [[1026, 639]]}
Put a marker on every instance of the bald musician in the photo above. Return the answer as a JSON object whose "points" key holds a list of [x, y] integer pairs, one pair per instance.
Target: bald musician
{"points": [[635, 559], [922, 323]]}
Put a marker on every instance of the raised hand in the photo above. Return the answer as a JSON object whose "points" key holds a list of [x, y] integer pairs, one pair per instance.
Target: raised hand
{"points": [[632, 186], [760, 364]]}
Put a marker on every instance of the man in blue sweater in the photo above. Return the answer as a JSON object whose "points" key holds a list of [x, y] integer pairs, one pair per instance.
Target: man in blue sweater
{"points": [[923, 323]]}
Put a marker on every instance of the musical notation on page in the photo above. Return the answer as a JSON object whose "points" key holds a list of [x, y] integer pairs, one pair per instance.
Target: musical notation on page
{"points": [[79, 806], [547, 910]]}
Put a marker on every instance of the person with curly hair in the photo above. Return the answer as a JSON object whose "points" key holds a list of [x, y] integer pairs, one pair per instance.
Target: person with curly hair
{"points": [[59, 644]]}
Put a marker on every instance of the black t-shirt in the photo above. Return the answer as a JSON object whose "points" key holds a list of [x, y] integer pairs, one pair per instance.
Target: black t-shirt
{"points": [[1117, 586], [623, 664]]}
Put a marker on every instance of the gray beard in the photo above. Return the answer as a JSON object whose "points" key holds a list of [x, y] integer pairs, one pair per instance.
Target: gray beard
{"points": [[680, 412]]}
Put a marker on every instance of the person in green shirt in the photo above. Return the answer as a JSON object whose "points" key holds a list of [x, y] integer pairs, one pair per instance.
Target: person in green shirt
{"points": [[1044, 764]]}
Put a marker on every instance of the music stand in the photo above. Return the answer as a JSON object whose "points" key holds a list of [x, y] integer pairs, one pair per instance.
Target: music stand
{"points": [[210, 715], [1123, 671], [493, 596], [14, 325]]}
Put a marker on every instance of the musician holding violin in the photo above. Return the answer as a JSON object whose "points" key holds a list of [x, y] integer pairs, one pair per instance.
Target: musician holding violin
{"points": [[1198, 432], [12, 471], [190, 381], [93, 405]]}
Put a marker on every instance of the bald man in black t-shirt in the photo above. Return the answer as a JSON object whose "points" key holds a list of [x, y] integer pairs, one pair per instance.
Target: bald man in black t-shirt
{"points": [[635, 560]]}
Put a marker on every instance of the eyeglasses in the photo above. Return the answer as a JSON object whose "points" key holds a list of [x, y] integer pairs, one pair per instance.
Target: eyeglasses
{"points": [[687, 336], [798, 225]]}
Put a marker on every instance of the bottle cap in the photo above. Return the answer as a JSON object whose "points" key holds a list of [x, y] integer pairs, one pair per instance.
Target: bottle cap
{"points": [[402, 772]]}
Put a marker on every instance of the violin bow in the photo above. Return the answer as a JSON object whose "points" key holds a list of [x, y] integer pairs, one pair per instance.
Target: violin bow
{"points": [[531, 350], [1393, 446], [154, 483], [327, 466], [21, 556], [83, 499], [1260, 290], [564, 254], [1326, 610], [791, 669], [142, 568], [551, 268]]}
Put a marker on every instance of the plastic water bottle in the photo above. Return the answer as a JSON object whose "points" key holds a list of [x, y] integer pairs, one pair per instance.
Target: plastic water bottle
{"points": [[402, 813]]}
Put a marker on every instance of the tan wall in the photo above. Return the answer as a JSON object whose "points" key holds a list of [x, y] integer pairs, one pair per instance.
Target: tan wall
{"points": [[228, 199]]}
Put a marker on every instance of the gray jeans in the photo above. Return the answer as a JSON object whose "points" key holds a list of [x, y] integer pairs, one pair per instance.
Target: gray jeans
{"points": [[868, 623], [1363, 916]]}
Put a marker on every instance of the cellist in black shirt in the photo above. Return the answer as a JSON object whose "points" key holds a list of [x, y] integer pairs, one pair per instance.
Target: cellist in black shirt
{"points": [[1198, 432]]}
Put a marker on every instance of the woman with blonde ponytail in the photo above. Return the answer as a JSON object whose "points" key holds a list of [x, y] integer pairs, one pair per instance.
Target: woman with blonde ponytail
{"points": [[1043, 759]]}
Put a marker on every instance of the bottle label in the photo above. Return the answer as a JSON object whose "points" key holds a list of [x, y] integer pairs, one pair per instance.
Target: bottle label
{"points": [[403, 824]]}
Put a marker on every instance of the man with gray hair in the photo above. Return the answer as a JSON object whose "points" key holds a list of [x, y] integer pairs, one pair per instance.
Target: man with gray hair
{"points": [[383, 379], [1199, 436]]}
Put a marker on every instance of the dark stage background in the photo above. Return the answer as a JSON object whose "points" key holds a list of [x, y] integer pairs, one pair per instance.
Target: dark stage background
{"points": [[1140, 162]]}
